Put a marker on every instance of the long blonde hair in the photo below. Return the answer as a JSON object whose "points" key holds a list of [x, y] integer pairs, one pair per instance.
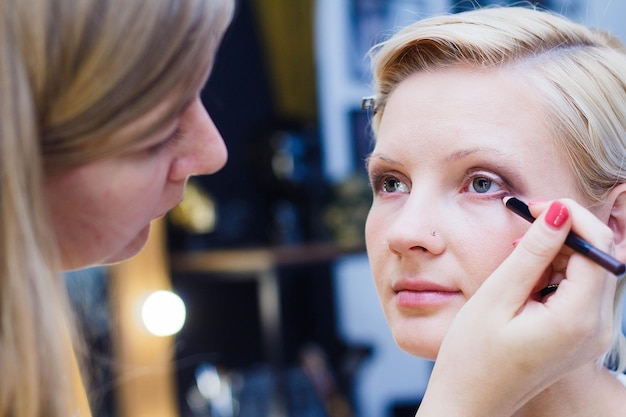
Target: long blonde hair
{"points": [[72, 72], [579, 75]]}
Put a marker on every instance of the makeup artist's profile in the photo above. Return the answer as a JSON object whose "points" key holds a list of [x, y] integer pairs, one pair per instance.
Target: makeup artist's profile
{"points": [[519, 305], [101, 124]]}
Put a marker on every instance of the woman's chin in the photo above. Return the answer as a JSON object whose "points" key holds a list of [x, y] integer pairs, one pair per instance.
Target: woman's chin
{"points": [[420, 347]]}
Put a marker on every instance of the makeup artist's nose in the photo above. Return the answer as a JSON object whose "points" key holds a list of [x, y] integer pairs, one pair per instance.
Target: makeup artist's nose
{"points": [[203, 151], [414, 229]]}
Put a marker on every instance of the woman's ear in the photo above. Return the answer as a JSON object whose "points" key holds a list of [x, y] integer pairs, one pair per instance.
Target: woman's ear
{"points": [[617, 219]]}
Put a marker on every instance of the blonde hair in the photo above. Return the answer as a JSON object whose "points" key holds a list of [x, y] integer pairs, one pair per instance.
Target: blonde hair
{"points": [[73, 72], [579, 74]]}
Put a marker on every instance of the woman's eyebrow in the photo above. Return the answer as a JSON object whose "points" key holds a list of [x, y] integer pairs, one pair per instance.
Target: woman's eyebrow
{"points": [[453, 157], [464, 153], [382, 157]]}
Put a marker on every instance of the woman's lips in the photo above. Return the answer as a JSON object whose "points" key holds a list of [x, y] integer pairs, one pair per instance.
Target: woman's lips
{"points": [[419, 294]]}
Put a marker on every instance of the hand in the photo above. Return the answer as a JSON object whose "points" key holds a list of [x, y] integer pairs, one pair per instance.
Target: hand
{"points": [[506, 344]]}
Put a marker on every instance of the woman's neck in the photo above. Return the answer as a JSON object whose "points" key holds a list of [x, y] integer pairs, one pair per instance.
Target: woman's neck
{"points": [[588, 391]]}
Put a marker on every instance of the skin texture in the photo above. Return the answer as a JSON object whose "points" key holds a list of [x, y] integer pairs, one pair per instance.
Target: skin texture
{"points": [[451, 144], [102, 210]]}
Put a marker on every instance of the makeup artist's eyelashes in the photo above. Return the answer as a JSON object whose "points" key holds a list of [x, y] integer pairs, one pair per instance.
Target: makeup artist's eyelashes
{"points": [[178, 133], [170, 141]]}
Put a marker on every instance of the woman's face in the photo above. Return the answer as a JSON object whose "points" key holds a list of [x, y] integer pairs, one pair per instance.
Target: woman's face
{"points": [[450, 145], [102, 211]]}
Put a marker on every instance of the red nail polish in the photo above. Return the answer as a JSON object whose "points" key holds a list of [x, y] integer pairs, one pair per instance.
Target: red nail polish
{"points": [[557, 214]]}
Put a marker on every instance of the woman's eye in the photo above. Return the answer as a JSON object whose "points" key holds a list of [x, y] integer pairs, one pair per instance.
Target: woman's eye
{"points": [[483, 185], [394, 185]]}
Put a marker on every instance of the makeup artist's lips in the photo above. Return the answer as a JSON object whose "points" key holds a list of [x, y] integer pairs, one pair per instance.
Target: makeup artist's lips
{"points": [[419, 293]]}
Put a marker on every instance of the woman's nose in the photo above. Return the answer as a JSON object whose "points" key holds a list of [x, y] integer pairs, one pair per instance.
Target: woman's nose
{"points": [[414, 229], [204, 151]]}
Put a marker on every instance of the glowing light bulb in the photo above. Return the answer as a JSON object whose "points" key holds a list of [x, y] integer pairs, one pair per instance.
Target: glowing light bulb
{"points": [[163, 313]]}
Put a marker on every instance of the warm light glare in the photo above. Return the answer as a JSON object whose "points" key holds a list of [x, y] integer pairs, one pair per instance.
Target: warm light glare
{"points": [[163, 313]]}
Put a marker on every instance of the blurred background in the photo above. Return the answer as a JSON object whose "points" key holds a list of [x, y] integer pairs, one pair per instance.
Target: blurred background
{"points": [[254, 297]]}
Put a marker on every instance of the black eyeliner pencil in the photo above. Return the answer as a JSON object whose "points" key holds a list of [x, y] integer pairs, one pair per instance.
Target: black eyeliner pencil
{"points": [[573, 241]]}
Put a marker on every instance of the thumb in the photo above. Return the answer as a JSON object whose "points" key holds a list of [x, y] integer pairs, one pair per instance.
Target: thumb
{"points": [[513, 281]]}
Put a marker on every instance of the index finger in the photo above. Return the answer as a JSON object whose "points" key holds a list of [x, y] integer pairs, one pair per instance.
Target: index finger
{"points": [[514, 280], [587, 282]]}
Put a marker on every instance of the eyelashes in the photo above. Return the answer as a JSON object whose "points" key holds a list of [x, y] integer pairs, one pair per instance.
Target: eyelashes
{"points": [[481, 182], [478, 182], [388, 182], [169, 142]]}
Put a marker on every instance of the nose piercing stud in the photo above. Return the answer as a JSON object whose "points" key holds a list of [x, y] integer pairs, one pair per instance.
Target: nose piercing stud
{"points": [[433, 233]]}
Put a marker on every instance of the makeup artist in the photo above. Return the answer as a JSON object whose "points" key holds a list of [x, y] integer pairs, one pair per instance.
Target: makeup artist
{"points": [[471, 109], [100, 126]]}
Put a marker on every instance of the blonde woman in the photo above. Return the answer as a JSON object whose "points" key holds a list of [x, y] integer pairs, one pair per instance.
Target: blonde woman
{"points": [[471, 109], [100, 126]]}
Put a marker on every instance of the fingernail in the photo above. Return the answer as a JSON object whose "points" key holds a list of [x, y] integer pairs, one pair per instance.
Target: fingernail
{"points": [[557, 214]]}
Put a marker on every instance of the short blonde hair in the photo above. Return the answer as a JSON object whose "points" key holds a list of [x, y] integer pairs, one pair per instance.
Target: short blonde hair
{"points": [[579, 74]]}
